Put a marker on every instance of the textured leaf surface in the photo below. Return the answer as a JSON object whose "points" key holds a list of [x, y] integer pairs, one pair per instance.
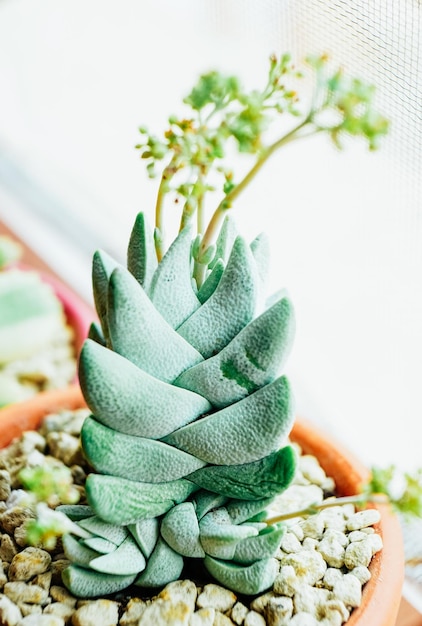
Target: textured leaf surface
{"points": [[99, 544], [164, 566], [77, 552], [171, 288], [260, 479], [139, 333], [243, 432], [126, 559], [265, 545], [210, 284], [97, 526], [121, 501], [125, 398], [250, 580], [85, 583], [146, 533], [102, 267], [219, 536], [136, 458], [251, 360], [180, 530], [229, 309], [141, 256]]}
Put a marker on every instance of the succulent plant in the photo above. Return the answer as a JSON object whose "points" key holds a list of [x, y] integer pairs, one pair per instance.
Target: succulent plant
{"points": [[32, 323], [191, 411]]}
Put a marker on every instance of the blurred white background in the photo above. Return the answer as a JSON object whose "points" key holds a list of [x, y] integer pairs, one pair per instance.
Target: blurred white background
{"points": [[77, 78]]}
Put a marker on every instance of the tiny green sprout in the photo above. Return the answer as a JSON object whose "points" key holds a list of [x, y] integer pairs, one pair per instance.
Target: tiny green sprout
{"points": [[50, 484], [48, 525], [47, 486], [222, 116]]}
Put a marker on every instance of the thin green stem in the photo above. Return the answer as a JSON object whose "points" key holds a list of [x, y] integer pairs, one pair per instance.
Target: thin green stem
{"points": [[230, 197], [314, 508]]}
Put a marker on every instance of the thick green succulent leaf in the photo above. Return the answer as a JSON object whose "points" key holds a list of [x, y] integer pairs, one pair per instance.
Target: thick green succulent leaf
{"points": [[171, 287], [180, 530], [243, 432], [224, 243], [77, 552], [247, 510], [251, 360], [258, 480], [229, 309], [139, 333], [86, 583], [146, 533], [261, 251], [102, 267], [127, 399], [141, 256], [75, 512], [206, 501], [124, 560], [164, 565], [219, 536], [121, 501], [95, 333], [136, 458], [110, 531], [100, 545], [265, 545], [210, 284], [249, 580]]}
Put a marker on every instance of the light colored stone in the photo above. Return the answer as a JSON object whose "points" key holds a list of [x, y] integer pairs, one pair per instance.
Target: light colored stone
{"points": [[362, 574], [180, 590], [331, 576], [60, 609], [163, 612], [14, 517], [375, 541], [29, 609], [28, 563], [43, 580], [238, 613], [41, 620], [222, 620], [5, 486], [362, 519], [10, 614], [286, 582], [133, 611], [61, 594], [358, 553], [65, 447], [254, 619], [290, 543], [8, 548], [217, 597], [348, 590], [278, 611], [332, 551], [3, 577], [19, 591], [93, 613], [303, 619], [203, 617], [309, 599], [313, 526], [309, 566], [311, 469]]}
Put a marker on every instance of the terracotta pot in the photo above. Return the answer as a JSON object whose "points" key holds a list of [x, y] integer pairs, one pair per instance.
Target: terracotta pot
{"points": [[381, 595]]}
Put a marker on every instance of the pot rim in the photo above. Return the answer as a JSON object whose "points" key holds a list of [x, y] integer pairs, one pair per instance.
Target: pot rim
{"points": [[380, 603]]}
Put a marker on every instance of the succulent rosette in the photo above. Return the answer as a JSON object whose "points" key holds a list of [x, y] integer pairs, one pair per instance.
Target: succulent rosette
{"points": [[190, 418]]}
